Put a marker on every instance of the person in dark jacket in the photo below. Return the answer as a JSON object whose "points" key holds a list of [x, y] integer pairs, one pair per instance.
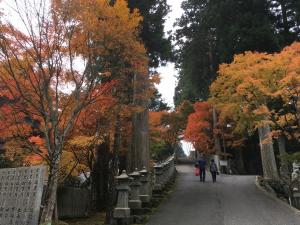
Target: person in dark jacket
{"points": [[202, 165], [213, 170]]}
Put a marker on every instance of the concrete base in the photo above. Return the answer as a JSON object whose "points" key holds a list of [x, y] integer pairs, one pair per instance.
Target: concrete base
{"points": [[126, 221], [121, 213], [145, 198], [158, 187], [135, 204], [147, 204], [139, 212], [139, 219]]}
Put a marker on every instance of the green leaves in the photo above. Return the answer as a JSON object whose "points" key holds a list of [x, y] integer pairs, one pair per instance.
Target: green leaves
{"points": [[212, 32], [152, 33]]}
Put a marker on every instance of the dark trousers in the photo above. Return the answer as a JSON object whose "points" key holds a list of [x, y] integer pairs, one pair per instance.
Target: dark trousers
{"points": [[202, 175], [214, 176]]}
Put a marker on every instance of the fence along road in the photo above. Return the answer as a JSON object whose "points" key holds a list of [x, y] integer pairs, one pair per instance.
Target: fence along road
{"points": [[233, 200]]}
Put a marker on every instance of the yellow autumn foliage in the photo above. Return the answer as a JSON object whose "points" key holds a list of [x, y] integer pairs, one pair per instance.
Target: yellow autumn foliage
{"points": [[246, 89], [85, 141]]}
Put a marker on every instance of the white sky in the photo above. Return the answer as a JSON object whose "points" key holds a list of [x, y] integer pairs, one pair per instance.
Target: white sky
{"points": [[168, 72]]}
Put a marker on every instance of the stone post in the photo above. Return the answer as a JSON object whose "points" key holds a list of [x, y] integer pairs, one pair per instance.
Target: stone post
{"points": [[151, 184], [145, 188], [158, 185], [135, 201], [171, 171], [122, 211], [166, 173], [296, 199]]}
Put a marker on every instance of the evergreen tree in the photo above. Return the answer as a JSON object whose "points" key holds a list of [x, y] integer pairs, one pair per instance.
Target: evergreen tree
{"points": [[152, 29], [286, 19], [157, 103], [211, 32]]}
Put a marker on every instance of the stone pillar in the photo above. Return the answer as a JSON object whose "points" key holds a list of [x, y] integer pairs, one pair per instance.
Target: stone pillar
{"points": [[296, 199], [135, 201], [172, 168], [163, 176], [296, 173], [158, 177], [167, 172], [267, 153], [145, 188], [151, 184], [122, 211]]}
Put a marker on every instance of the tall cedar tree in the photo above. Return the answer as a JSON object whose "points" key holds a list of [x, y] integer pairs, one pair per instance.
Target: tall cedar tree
{"points": [[154, 13], [286, 19], [159, 51], [211, 32]]}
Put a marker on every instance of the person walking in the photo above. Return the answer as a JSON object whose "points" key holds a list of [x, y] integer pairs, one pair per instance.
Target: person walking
{"points": [[213, 170], [202, 165]]}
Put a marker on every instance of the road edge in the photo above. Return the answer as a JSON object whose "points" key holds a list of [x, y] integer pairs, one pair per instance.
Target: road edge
{"points": [[167, 196], [260, 188]]}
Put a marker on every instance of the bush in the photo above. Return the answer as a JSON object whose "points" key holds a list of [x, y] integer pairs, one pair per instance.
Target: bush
{"points": [[6, 163]]}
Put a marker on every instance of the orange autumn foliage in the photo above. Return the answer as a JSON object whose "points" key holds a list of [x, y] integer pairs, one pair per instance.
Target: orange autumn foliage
{"points": [[113, 28], [259, 89], [199, 129], [157, 129]]}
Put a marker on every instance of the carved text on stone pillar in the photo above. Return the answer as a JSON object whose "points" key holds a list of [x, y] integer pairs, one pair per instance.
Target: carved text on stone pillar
{"points": [[21, 192]]}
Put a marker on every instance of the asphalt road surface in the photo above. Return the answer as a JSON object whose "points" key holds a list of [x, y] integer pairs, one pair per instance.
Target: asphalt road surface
{"points": [[233, 200]]}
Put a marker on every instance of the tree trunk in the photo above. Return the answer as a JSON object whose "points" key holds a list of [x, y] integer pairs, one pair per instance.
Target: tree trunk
{"points": [[100, 176], [240, 164], [140, 155], [267, 153], [284, 167], [113, 172], [50, 196], [216, 139]]}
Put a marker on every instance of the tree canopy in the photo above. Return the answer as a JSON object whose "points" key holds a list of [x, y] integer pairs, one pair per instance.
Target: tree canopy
{"points": [[212, 32], [157, 43], [199, 128], [259, 88]]}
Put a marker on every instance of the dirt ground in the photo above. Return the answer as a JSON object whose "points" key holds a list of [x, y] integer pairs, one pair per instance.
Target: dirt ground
{"points": [[96, 219]]}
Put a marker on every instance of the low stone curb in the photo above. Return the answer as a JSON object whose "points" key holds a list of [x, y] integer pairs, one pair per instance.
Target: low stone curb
{"points": [[167, 194], [260, 188]]}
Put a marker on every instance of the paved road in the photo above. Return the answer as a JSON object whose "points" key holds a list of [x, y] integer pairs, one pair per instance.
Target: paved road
{"points": [[233, 200]]}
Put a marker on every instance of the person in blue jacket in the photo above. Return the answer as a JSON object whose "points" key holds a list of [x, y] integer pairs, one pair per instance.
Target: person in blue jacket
{"points": [[202, 166]]}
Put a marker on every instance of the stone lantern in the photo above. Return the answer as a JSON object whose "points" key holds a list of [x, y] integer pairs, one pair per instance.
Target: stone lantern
{"points": [[135, 201], [158, 178], [122, 210], [145, 188]]}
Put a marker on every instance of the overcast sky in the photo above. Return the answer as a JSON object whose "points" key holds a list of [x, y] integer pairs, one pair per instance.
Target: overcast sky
{"points": [[168, 73]]}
